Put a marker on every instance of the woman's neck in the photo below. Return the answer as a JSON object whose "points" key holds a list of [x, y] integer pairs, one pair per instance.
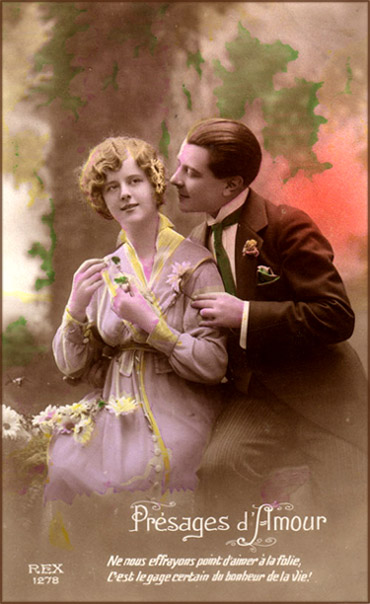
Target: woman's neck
{"points": [[143, 238]]}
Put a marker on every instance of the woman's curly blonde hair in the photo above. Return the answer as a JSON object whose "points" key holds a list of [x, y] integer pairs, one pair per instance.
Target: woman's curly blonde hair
{"points": [[109, 155]]}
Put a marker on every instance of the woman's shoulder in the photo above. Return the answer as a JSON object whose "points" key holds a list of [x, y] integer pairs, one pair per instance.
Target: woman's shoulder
{"points": [[193, 251]]}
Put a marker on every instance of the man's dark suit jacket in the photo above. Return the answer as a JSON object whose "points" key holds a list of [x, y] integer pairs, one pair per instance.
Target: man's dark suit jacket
{"points": [[298, 322]]}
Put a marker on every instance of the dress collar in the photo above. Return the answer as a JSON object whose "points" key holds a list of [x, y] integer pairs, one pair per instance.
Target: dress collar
{"points": [[164, 223]]}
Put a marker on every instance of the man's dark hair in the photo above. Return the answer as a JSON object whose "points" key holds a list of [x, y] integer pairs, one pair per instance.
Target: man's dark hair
{"points": [[233, 148]]}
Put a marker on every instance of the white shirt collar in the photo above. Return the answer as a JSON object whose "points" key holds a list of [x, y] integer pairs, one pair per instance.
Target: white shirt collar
{"points": [[228, 208]]}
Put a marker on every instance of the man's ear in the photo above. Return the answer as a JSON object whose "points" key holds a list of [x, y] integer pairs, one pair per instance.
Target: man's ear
{"points": [[233, 186]]}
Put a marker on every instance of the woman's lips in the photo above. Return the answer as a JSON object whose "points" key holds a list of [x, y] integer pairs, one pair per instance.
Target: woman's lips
{"points": [[129, 207]]}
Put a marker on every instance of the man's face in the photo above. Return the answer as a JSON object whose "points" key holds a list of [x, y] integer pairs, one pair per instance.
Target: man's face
{"points": [[199, 189]]}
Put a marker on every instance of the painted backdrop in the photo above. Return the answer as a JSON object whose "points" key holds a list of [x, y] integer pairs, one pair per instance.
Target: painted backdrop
{"points": [[76, 72]]}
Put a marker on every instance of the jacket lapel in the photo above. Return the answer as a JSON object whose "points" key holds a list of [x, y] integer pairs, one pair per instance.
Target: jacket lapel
{"points": [[252, 220]]}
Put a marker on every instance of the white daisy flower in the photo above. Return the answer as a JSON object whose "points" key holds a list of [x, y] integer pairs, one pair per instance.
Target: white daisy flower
{"points": [[12, 422], [45, 415], [179, 269], [121, 406], [83, 430]]}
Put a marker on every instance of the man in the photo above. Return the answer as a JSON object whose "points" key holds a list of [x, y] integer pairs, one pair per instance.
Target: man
{"points": [[295, 398]]}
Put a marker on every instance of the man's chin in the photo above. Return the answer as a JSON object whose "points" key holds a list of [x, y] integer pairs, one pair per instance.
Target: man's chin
{"points": [[184, 207]]}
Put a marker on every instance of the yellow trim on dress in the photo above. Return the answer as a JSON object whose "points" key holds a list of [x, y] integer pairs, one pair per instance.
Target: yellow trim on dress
{"points": [[167, 242], [153, 423]]}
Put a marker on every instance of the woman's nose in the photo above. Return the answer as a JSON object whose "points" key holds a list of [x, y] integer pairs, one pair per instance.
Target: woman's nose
{"points": [[125, 192]]}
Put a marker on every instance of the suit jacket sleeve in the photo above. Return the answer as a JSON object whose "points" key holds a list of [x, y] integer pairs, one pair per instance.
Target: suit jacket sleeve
{"points": [[310, 307]]}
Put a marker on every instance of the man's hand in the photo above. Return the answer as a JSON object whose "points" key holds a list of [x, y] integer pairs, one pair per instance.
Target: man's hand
{"points": [[219, 310]]}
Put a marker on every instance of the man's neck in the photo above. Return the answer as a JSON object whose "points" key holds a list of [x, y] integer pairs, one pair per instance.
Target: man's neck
{"points": [[228, 207]]}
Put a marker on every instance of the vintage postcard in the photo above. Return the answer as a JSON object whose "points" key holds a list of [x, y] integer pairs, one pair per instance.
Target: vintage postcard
{"points": [[113, 377]]}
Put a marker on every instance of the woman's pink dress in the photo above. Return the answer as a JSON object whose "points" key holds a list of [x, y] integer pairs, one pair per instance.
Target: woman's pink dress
{"points": [[157, 405]]}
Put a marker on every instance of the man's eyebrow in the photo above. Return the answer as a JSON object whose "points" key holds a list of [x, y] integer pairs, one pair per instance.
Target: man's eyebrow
{"points": [[184, 165], [194, 170]]}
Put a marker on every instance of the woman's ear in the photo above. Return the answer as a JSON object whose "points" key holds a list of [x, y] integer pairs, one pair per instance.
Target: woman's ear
{"points": [[233, 186]]}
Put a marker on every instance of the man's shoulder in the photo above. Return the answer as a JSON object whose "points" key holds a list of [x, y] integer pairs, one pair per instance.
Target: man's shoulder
{"points": [[275, 209], [281, 215]]}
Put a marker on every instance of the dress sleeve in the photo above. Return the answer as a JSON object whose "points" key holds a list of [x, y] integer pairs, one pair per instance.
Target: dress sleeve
{"points": [[196, 353], [74, 346]]}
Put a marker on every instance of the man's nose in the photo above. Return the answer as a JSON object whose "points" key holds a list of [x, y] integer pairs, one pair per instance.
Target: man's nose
{"points": [[176, 179]]}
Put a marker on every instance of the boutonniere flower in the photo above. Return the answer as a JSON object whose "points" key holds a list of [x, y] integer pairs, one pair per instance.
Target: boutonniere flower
{"points": [[250, 248]]}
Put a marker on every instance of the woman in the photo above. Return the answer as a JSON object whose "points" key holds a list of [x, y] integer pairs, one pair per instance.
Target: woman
{"points": [[147, 427]]}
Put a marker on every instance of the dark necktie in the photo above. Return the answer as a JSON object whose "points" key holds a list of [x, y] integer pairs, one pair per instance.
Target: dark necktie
{"points": [[222, 259]]}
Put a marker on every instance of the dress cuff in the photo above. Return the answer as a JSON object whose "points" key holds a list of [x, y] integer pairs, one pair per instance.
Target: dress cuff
{"points": [[68, 317], [76, 329], [244, 326], [162, 338]]}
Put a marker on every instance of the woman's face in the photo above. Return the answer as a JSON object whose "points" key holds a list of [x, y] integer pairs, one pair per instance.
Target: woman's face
{"points": [[129, 194]]}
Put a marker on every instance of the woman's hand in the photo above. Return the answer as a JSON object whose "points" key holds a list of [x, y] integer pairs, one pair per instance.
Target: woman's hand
{"points": [[133, 307], [86, 280]]}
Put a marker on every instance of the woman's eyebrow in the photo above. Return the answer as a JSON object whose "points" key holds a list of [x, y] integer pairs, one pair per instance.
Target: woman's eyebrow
{"points": [[113, 179], [110, 182]]}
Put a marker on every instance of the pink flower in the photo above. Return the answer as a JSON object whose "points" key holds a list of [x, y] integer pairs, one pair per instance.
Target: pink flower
{"points": [[250, 248]]}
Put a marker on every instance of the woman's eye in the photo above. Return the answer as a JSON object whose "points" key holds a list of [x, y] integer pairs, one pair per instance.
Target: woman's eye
{"points": [[136, 180], [111, 187]]}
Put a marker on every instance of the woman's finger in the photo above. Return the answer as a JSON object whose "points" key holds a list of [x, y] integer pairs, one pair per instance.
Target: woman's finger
{"points": [[85, 265], [94, 286], [89, 267], [93, 278], [92, 269]]}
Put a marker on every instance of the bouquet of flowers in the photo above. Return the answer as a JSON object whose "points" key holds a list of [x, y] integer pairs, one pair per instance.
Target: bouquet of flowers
{"points": [[25, 452]]}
